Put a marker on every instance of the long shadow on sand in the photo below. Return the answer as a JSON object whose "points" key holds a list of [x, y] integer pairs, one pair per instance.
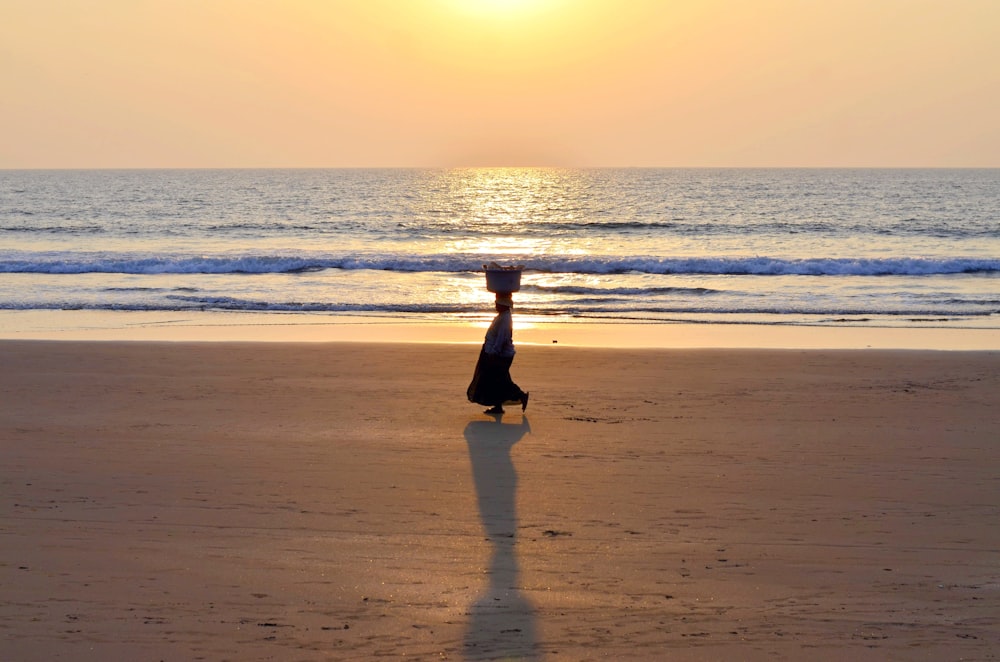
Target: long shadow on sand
{"points": [[502, 621]]}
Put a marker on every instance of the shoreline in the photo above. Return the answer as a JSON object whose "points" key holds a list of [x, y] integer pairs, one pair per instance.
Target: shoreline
{"points": [[276, 327]]}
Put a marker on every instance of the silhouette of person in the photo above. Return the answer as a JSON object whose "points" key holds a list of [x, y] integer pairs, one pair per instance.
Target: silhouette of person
{"points": [[491, 383]]}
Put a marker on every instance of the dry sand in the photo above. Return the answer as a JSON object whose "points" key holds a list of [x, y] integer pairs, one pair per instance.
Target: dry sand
{"points": [[343, 501]]}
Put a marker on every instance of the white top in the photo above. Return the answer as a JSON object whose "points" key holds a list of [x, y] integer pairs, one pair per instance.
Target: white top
{"points": [[500, 335]]}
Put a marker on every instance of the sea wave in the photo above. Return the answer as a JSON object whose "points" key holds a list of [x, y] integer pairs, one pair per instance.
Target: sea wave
{"points": [[582, 290], [430, 228], [81, 263], [618, 309]]}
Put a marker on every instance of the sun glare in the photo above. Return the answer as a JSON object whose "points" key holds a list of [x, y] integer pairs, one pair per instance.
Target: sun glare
{"points": [[502, 5], [500, 9]]}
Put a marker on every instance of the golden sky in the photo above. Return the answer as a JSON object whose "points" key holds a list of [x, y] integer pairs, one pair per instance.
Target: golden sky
{"points": [[317, 83]]}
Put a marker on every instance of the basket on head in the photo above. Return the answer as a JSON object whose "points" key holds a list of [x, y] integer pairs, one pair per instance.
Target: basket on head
{"points": [[503, 279]]}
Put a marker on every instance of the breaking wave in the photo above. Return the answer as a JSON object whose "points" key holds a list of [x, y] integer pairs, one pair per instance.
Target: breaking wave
{"points": [[76, 263]]}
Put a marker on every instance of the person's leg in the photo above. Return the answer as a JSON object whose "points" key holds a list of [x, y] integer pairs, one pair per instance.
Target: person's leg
{"points": [[513, 391]]}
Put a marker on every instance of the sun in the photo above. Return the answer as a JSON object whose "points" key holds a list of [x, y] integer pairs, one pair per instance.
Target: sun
{"points": [[502, 9], [502, 5]]}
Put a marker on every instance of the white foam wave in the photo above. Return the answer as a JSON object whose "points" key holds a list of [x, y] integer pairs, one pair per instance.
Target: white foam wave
{"points": [[77, 263]]}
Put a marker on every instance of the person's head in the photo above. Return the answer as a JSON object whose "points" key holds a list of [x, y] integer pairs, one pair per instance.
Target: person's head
{"points": [[504, 302]]}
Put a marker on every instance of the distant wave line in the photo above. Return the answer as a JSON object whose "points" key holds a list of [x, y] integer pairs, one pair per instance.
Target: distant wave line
{"points": [[432, 227]]}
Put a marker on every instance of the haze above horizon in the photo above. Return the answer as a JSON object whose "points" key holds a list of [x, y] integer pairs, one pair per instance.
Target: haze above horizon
{"points": [[441, 83]]}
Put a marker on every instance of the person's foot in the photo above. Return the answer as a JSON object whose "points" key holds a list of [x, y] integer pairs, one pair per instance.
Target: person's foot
{"points": [[494, 410], [524, 401]]}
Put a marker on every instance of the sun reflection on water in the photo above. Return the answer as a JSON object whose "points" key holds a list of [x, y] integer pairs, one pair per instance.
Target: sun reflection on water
{"points": [[495, 203], [495, 214]]}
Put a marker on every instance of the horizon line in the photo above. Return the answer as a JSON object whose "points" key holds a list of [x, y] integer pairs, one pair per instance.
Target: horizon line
{"points": [[513, 167]]}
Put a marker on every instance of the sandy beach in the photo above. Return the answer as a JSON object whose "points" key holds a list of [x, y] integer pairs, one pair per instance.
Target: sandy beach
{"points": [[318, 501]]}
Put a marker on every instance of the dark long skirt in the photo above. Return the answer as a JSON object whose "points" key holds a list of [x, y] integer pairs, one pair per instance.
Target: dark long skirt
{"points": [[491, 384]]}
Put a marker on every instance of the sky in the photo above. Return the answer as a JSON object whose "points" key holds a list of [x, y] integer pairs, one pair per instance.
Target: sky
{"points": [[451, 83]]}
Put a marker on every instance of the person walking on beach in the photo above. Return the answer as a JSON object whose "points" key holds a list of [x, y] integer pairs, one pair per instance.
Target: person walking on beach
{"points": [[491, 384]]}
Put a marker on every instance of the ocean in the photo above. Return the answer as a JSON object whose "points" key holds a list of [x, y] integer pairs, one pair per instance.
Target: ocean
{"points": [[839, 247]]}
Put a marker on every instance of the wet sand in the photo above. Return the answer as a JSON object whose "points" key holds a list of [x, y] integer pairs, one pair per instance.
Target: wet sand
{"points": [[315, 501]]}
